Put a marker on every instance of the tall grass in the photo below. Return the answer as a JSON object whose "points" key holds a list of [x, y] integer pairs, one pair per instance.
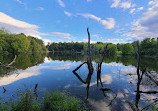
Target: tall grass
{"points": [[53, 101]]}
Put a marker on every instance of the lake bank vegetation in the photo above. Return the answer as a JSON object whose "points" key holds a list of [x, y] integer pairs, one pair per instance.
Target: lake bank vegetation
{"points": [[19, 43], [52, 101], [148, 47]]}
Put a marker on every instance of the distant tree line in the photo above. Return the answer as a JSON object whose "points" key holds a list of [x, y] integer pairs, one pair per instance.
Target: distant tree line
{"points": [[148, 47], [15, 43]]}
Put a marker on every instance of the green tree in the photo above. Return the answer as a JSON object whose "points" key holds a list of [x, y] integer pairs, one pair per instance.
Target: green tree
{"points": [[127, 49]]}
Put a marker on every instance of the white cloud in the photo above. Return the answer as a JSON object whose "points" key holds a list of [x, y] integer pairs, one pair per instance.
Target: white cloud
{"points": [[17, 26], [86, 40], [40, 8], [120, 4], [108, 24], [69, 38], [115, 3], [147, 25], [125, 5], [96, 36], [46, 41], [67, 13], [114, 40], [57, 34], [140, 8], [22, 3], [132, 10], [61, 3]]}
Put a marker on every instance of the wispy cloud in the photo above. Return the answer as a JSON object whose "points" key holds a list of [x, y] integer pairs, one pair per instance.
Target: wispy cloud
{"points": [[69, 38], [132, 10], [114, 40], [120, 4], [136, 9], [57, 34], [67, 13], [115, 3], [61, 3], [96, 36], [109, 23], [22, 3], [40, 8], [140, 8], [17, 26]]}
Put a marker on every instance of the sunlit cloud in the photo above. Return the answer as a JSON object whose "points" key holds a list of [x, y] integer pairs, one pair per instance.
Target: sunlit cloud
{"points": [[20, 2], [67, 13], [61, 3], [136, 9], [17, 26], [122, 4], [109, 23]]}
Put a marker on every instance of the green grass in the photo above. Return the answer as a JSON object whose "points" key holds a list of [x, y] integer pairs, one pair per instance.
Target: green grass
{"points": [[53, 101]]}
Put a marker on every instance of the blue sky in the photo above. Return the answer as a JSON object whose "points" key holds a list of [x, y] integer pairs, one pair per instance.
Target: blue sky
{"points": [[116, 21]]}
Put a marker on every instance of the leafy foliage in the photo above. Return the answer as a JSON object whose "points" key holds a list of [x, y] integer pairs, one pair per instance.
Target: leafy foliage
{"points": [[15, 43], [53, 101], [127, 49]]}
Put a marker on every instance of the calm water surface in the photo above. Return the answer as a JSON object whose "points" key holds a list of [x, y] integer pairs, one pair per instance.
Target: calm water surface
{"points": [[54, 72]]}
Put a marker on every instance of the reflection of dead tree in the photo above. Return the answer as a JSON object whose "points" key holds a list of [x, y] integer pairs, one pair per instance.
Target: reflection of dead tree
{"points": [[156, 82], [140, 72], [90, 70], [9, 65], [143, 71], [4, 89], [35, 90], [133, 107], [89, 64], [153, 103], [99, 66]]}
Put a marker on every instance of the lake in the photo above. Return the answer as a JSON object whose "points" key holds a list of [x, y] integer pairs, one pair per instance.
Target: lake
{"points": [[53, 71]]}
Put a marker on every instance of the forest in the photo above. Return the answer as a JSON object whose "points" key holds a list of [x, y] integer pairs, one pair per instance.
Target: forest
{"points": [[17, 43], [148, 47]]}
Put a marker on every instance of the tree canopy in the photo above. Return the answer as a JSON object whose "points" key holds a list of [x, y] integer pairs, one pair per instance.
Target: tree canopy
{"points": [[14, 43]]}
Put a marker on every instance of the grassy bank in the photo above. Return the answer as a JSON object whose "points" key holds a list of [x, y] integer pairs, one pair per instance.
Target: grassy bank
{"points": [[52, 101]]}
